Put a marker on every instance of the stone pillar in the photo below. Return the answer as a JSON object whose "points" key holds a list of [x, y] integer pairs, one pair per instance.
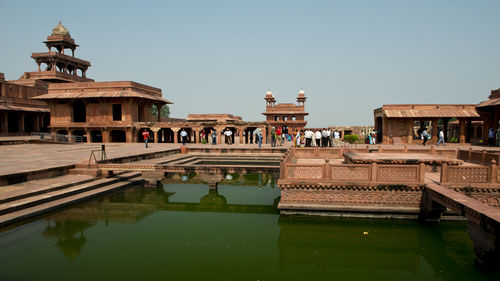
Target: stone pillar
{"points": [[128, 135], [155, 131], [176, 135], [4, 126], [105, 135], [36, 123], [70, 135], [445, 128], [240, 133], [385, 131], [434, 135], [89, 136], [219, 134], [158, 106], [264, 134], [461, 124], [468, 131], [195, 136], [21, 122], [410, 131]]}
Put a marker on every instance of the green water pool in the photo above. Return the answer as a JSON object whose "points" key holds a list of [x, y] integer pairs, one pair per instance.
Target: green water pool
{"points": [[183, 231]]}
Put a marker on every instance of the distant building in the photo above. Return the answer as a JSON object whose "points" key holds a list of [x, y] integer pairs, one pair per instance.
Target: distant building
{"points": [[404, 123], [19, 114], [286, 115]]}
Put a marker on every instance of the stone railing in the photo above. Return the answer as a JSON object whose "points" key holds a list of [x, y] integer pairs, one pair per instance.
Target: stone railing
{"points": [[392, 174], [466, 175], [481, 157], [338, 152]]}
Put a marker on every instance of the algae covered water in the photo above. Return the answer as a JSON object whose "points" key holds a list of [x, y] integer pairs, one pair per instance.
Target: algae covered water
{"points": [[181, 230]]}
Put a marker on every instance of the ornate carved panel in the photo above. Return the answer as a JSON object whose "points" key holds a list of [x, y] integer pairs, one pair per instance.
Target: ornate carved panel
{"points": [[468, 174], [305, 172], [352, 197], [394, 173], [350, 172]]}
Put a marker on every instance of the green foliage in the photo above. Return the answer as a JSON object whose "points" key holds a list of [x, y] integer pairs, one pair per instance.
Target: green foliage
{"points": [[165, 111], [351, 138], [453, 140]]}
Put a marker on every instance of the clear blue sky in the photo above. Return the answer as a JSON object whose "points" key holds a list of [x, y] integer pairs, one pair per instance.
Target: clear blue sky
{"points": [[221, 56]]}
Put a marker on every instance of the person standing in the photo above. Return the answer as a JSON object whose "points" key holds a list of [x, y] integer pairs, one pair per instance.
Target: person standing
{"points": [[145, 135], [230, 137], [491, 137], [184, 136], [330, 138], [441, 138], [336, 136], [273, 137], [424, 136], [214, 137], [324, 138], [317, 135], [498, 138], [259, 138], [278, 136]]}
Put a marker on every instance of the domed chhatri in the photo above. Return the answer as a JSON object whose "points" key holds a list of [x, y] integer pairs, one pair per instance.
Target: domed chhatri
{"points": [[60, 30], [302, 93], [269, 94]]}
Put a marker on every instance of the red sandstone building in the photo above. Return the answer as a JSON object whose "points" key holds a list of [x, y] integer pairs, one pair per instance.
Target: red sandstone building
{"points": [[286, 115], [403, 123]]}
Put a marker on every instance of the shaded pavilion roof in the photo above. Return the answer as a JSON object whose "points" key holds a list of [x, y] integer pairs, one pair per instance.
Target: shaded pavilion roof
{"points": [[430, 111], [115, 89]]}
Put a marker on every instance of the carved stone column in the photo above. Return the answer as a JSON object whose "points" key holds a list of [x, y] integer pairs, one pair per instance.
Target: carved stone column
{"points": [[129, 137], [20, 122], [155, 131], [434, 136], [176, 134], [240, 133], [461, 124], [410, 131], [105, 135]]}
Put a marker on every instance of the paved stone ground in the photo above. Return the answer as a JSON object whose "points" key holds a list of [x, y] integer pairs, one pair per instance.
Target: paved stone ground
{"points": [[29, 157]]}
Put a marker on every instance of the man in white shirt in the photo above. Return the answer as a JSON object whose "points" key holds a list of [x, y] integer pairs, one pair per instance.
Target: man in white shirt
{"points": [[329, 138], [184, 136], [318, 138], [308, 135]]}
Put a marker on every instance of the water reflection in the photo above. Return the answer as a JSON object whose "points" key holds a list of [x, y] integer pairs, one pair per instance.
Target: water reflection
{"points": [[183, 230], [132, 205]]}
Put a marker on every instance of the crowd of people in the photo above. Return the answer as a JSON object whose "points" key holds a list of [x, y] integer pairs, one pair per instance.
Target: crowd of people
{"points": [[305, 138]]}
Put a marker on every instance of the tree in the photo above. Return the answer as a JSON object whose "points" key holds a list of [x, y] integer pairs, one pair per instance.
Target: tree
{"points": [[164, 111]]}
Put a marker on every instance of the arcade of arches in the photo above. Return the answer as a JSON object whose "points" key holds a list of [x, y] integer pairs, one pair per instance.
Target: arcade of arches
{"points": [[170, 132]]}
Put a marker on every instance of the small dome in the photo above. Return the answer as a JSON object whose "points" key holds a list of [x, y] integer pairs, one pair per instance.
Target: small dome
{"points": [[302, 93], [60, 30], [269, 94]]}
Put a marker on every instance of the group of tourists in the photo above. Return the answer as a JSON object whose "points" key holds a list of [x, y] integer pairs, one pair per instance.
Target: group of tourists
{"points": [[306, 138], [425, 136], [492, 136]]}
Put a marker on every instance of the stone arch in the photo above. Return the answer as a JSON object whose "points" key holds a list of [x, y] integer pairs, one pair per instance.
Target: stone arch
{"points": [[29, 122], [95, 136], [12, 122], [232, 129], [118, 136], [79, 112], [189, 135], [207, 134], [140, 138], [249, 136], [81, 135], [166, 135]]}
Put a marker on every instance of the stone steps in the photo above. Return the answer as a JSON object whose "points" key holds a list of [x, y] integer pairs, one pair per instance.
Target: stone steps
{"points": [[37, 187], [24, 208]]}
